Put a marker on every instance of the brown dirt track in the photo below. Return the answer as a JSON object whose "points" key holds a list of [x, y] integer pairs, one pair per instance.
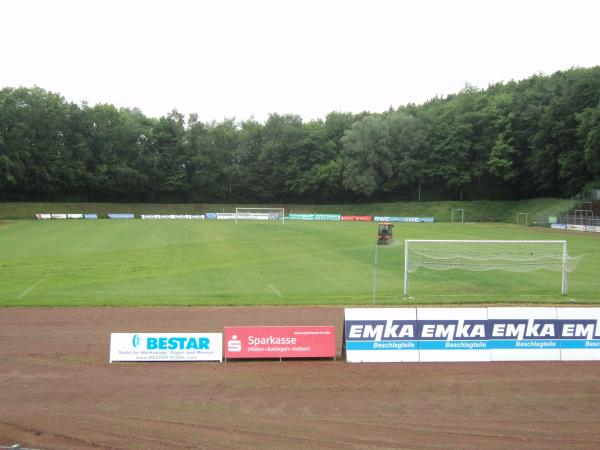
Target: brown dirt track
{"points": [[58, 391]]}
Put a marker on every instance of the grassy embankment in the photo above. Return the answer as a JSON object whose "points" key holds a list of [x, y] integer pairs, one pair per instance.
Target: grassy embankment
{"points": [[477, 211]]}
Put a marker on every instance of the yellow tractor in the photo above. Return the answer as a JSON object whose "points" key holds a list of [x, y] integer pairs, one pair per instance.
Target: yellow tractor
{"points": [[385, 233]]}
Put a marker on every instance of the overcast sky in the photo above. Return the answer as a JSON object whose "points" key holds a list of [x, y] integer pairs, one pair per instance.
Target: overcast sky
{"points": [[243, 58]]}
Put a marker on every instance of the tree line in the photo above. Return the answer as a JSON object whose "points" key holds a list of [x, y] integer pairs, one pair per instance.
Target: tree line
{"points": [[513, 140]]}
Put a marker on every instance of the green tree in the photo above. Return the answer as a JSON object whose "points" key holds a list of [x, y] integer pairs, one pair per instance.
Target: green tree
{"points": [[7, 179], [408, 143], [589, 136], [367, 157], [281, 156]]}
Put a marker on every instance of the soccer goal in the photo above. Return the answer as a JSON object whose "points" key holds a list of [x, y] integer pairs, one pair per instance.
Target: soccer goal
{"points": [[458, 215], [482, 255], [522, 218], [260, 214]]}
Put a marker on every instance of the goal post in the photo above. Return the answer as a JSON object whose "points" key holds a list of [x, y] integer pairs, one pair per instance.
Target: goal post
{"points": [[459, 213], [522, 218], [483, 255], [260, 214]]}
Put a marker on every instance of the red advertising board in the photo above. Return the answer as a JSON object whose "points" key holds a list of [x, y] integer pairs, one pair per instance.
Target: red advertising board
{"points": [[358, 218], [279, 342]]}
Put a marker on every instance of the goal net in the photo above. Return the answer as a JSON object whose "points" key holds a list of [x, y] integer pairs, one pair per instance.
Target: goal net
{"points": [[523, 218], [458, 215], [482, 255], [260, 214]]}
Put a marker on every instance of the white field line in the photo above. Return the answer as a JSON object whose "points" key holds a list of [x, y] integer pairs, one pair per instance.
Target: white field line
{"points": [[275, 290], [29, 289]]}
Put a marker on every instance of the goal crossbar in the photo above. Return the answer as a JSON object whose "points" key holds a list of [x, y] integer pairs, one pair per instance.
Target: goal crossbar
{"points": [[483, 255]]}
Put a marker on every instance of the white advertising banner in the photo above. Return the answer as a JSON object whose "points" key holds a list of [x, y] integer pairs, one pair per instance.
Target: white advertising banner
{"points": [[381, 335], [254, 216], [523, 334], [173, 216], [453, 334], [59, 216], [579, 331], [472, 334], [74, 216], [166, 347], [226, 216]]}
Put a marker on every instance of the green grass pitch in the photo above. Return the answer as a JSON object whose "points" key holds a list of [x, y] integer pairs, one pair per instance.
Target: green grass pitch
{"points": [[136, 262]]}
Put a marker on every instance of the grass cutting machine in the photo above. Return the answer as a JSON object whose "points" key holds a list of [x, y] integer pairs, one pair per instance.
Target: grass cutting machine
{"points": [[385, 233]]}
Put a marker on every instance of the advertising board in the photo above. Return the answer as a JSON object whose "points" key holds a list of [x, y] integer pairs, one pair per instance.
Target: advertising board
{"points": [[172, 216], [590, 228], [166, 347], [280, 342], [328, 217], [324, 217], [255, 216], [43, 216], [59, 216], [523, 334], [120, 216], [471, 334], [579, 332], [295, 216], [74, 216], [452, 334], [404, 219], [357, 218], [381, 335], [226, 216], [90, 216]]}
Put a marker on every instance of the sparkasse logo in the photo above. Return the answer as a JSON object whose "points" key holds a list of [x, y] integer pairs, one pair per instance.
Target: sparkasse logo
{"points": [[234, 344]]}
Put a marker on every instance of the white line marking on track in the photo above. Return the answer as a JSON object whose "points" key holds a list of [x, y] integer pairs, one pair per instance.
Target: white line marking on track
{"points": [[275, 290]]}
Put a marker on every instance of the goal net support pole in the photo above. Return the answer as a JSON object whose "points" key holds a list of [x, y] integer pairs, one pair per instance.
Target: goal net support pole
{"points": [[483, 255], [565, 256], [406, 243]]}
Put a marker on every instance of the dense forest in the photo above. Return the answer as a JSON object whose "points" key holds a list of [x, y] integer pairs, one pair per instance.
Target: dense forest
{"points": [[513, 140]]}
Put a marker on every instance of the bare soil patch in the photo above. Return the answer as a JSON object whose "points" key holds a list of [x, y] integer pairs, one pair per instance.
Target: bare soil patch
{"points": [[57, 390]]}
